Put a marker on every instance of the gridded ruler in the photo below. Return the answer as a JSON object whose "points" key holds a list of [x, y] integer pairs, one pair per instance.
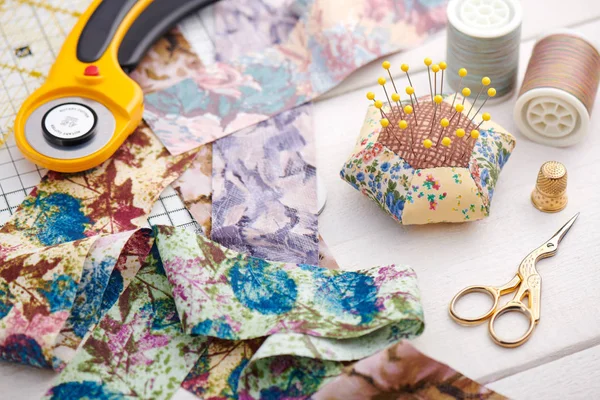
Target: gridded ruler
{"points": [[31, 35]]}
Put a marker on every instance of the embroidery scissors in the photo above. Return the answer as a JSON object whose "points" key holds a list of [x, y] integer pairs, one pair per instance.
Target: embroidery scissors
{"points": [[527, 283]]}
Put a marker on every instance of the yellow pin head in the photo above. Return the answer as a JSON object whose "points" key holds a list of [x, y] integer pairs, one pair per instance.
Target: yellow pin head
{"points": [[427, 143], [491, 92], [395, 97], [466, 92], [378, 104], [435, 68], [410, 90], [428, 61], [444, 122], [403, 124], [486, 117], [384, 122], [462, 72], [404, 67], [459, 107], [460, 132], [443, 65], [446, 141], [408, 110], [381, 80], [370, 95], [438, 99], [475, 134], [386, 65], [485, 81]]}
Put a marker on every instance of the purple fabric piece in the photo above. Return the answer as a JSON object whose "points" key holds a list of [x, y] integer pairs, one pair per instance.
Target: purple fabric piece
{"points": [[264, 190], [264, 184]]}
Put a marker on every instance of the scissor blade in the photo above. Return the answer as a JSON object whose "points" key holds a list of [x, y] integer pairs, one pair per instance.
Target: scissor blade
{"points": [[558, 236]]}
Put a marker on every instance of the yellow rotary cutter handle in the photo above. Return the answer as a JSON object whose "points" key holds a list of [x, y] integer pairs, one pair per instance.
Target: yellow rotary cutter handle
{"points": [[88, 105]]}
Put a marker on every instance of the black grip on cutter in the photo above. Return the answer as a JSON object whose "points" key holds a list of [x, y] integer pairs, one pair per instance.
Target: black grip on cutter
{"points": [[153, 23], [100, 29]]}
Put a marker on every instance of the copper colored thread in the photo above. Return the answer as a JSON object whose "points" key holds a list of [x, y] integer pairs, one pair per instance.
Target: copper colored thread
{"points": [[565, 62]]}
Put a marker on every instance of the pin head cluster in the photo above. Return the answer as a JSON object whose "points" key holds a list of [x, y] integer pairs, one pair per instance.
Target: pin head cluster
{"points": [[431, 130]]}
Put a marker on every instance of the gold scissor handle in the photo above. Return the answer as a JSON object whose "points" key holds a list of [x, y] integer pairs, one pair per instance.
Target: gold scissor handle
{"points": [[512, 306], [494, 293]]}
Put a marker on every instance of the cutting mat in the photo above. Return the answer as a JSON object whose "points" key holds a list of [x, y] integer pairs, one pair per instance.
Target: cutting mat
{"points": [[32, 33]]}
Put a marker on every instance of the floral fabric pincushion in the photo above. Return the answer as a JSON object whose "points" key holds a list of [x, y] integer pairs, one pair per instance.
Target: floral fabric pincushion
{"points": [[415, 187]]}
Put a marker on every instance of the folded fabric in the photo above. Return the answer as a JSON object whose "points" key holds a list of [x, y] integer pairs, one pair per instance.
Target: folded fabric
{"points": [[220, 292], [402, 372], [432, 193], [332, 39]]}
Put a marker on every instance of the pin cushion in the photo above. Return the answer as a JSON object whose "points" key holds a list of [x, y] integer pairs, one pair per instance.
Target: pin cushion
{"points": [[442, 167]]}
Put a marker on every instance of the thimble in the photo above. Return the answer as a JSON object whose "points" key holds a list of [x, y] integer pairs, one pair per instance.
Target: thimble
{"points": [[550, 193]]}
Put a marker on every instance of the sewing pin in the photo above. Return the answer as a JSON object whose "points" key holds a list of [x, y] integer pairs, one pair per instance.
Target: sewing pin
{"points": [[444, 123], [466, 92], [485, 81], [435, 68], [379, 106], [460, 133], [427, 143], [396, 99], [405, 68], [457, 110], [443, 67], [410, 91], [384, 124], [484, 118], [491, 92], [474, 135], [437, 100], [446, 142], [409, 110], [382, 82], [387, 65], [462, 73], [428, 62], [402, 124]]}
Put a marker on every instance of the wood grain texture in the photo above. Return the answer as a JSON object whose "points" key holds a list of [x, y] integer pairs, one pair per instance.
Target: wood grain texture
{"points": [[576, 376], [449, 257]]}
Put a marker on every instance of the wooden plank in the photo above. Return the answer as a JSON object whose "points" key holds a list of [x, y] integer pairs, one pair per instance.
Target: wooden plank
{"points": [[450, 257], [576, 376]]}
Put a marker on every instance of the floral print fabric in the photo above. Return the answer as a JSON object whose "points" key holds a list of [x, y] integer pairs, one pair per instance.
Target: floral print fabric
{"points": [[215, 289], [402, 372], [324, 47], [265, 190], [432, 195]]}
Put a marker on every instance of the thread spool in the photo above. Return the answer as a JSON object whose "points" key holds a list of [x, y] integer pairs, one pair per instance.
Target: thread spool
{"points": [[485, 35], [559, 89]]}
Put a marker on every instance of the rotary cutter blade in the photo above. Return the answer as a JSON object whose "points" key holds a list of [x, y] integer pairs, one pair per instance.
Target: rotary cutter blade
{"points": [[88, 105]]}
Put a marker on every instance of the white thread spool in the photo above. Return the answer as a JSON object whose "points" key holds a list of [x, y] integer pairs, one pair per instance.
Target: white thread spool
{"points": [[484, 36], [555, 109]]}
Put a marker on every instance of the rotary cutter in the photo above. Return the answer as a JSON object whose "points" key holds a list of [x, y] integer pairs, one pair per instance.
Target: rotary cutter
{"points": [[88, 105]]}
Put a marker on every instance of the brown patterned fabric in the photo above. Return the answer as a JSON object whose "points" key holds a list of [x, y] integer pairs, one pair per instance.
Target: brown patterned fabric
{"points": [[408, 143]]}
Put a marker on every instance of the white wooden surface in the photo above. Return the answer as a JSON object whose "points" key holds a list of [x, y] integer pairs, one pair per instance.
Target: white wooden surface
{"points": [[561, 359]]}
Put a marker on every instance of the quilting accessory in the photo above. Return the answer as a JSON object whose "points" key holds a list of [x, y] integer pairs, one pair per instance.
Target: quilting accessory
{"points": [[423, 162], [88, 105], [559, 89], [550, 192], [428, 121], [527, 283], [485, 35]]}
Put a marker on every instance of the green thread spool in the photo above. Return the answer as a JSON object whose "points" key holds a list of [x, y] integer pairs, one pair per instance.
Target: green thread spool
{"points": [[484, 36]]}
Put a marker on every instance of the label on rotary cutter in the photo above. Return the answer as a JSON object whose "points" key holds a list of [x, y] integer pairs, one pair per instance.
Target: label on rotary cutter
{"points": [[69, 124]]}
